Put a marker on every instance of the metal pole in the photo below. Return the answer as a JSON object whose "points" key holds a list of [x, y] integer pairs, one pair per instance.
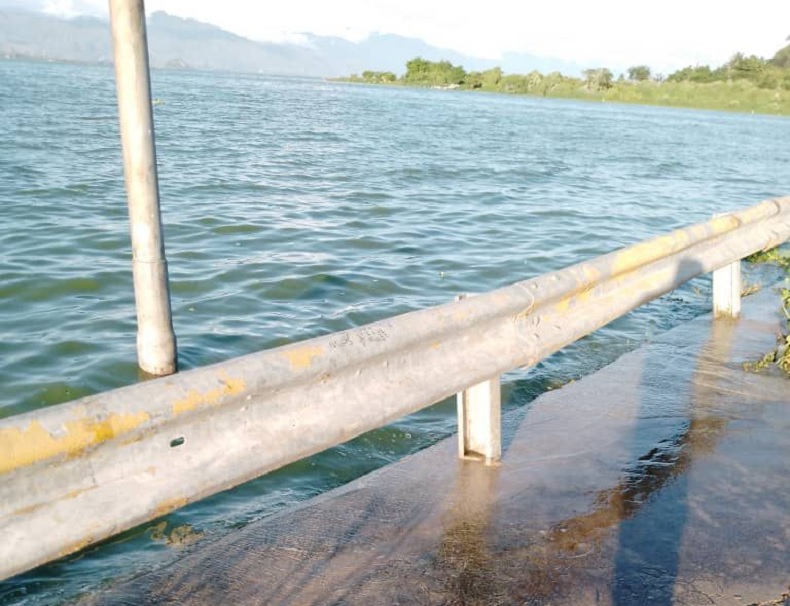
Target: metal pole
{"points": [[156, 341]]}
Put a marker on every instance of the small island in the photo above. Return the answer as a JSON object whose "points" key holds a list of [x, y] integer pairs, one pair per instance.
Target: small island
{"points": [[744, 83]]}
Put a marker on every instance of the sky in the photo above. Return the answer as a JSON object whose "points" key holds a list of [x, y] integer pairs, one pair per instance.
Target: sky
{"points": [[664, 34]]}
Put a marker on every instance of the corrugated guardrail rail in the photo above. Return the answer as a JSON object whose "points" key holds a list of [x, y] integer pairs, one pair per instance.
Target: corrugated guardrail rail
{"points": [[76, 473]]}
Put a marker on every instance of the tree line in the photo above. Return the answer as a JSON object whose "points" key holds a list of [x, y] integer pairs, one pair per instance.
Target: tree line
{"points": [[742, 83]]}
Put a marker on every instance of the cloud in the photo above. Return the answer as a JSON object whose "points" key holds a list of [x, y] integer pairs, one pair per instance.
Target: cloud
{"points": [[665, 34], [69, 9]]}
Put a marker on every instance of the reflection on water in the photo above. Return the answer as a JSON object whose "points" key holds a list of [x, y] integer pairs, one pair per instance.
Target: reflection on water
{"points": [[633, 533], [464, 560]]}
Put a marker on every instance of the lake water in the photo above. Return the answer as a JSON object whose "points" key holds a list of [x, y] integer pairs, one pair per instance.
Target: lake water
{"points": [[295, 207]]}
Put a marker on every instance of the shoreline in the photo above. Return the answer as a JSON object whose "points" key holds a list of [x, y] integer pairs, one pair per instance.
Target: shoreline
{"points": [[583, 96]]}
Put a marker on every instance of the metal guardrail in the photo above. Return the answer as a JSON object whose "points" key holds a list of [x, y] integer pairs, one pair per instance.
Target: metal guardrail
{"points": [[79, 472]]}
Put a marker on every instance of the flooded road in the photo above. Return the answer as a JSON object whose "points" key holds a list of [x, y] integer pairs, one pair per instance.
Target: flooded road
{"points": [[661, 479]]}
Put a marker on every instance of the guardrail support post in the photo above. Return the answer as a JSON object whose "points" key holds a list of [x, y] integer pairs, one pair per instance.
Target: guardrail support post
{"points": [[156, 342], [727, 291], [480, 422], [480, 419]]}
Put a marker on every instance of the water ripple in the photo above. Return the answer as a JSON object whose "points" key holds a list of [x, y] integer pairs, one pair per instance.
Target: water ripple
{"points": [[295, 207]]}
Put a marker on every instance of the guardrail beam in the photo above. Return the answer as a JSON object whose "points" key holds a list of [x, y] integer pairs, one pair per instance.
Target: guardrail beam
{"points": [[79, 472]]}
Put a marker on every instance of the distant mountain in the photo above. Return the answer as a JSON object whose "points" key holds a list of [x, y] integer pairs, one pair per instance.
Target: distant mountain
{"points": [[175, 42], [385, 52], [172, 42], [39, 36]]}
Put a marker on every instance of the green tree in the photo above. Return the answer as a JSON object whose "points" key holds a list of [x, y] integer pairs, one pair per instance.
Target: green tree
{"points": [[433, 73], [451, 74], [534, 80], [491, 78], [782, 58], [378, 77], [554, 82], [598, 79], [749, 68], [515, 83], [417, 70], [770, 78], [699, 74], [474, 80], [639, 73]]}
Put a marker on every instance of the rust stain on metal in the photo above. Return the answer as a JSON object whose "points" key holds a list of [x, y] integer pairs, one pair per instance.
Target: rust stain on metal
{"points": [[202, 399], [169, 505], [75, 493], [131, 440], [29, 509], [71, 495], [74, 547], [22, 446], [302, 357]]}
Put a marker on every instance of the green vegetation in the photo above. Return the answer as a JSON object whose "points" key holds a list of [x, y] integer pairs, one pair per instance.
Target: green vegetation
{"points": [[783, 352], [379, 77], [639, 73], [744, 83], [775, 256], [761, 365], [442, 73], [780, 357]]}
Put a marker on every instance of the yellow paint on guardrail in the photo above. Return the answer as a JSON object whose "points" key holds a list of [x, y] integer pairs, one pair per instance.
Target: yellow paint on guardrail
{"points": [[303, 357], [34, 443], [196, 399]]}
